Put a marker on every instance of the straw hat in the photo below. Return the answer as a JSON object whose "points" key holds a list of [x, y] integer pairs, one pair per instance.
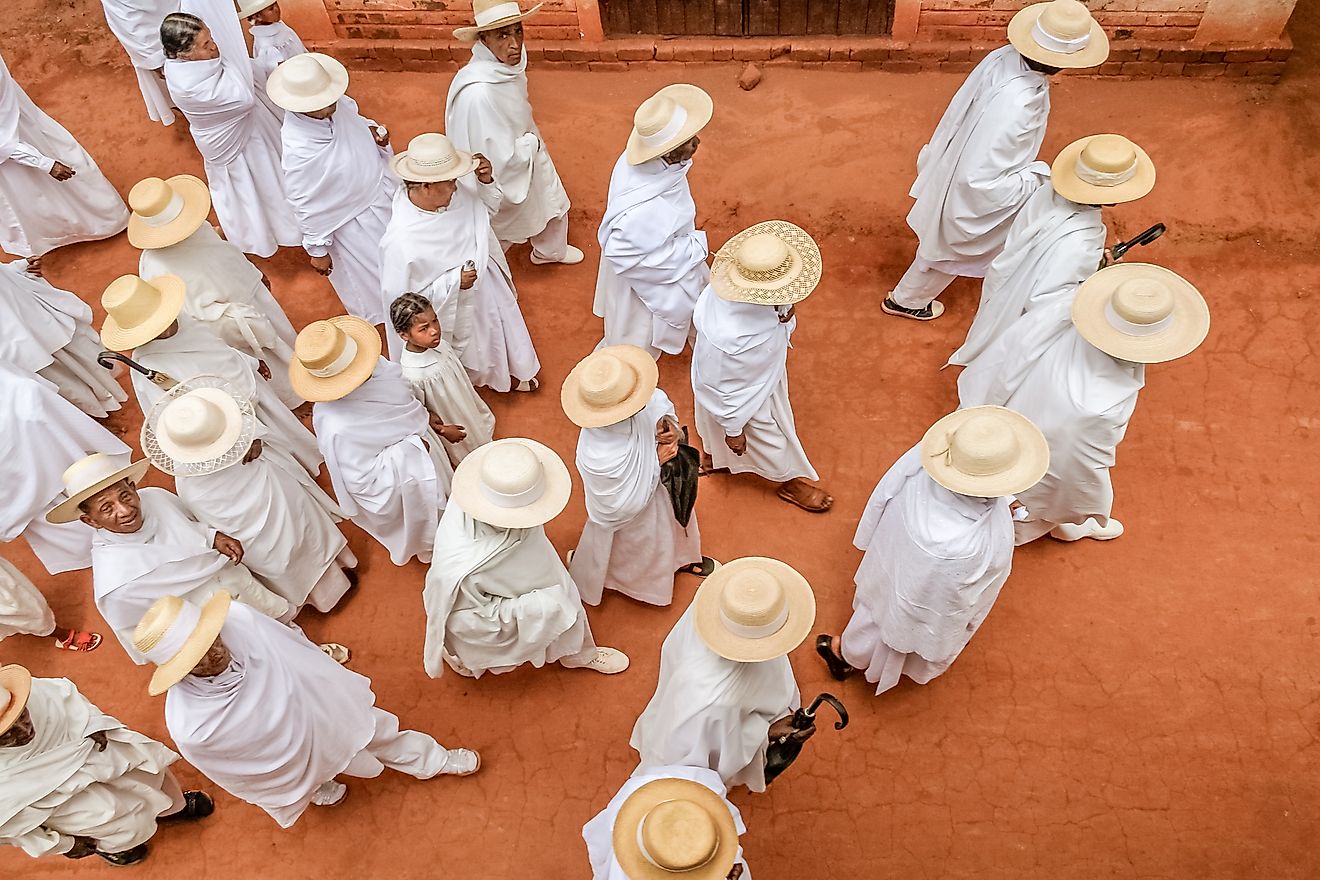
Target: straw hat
{"points": [[1061, 33], [492, 15], [137, 311], [310, 81], [198, 427], [1103, 169], [773, 263], [252, 7], [609, 385], [175, 635], [985, 452], [668, 119], [1141, 313], [15, 686], [671, 828], [754, 609], [431, 158], [513, 483], [85, 478], [333, 357], [165, 212]]}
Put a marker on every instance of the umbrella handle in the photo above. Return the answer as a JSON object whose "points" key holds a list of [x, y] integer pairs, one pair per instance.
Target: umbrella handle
{"points": [[107, 360], [1144, 237], [835, 703]]}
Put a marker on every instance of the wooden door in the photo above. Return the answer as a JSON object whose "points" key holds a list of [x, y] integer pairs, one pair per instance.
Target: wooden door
{"points": [[746, 18]]}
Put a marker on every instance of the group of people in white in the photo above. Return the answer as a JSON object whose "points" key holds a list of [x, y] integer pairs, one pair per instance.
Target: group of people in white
{"points": [[204, 583]]}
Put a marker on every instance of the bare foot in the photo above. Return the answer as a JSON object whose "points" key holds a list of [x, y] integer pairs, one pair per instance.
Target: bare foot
{"points": [[707, 466], [806, 495]]}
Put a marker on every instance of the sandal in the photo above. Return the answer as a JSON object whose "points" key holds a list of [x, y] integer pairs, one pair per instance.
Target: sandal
{"points": [[79, 641], [825, 502], [568, 557], [839, 668], [528, 385], [127, 857], [335, 652], [929, 312], [196, 805], [705, 568]]}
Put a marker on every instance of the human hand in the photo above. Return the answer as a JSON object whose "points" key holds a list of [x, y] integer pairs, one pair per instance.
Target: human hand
{"points": [[228, 546], [263, 371], [785, 317], [99, 739], [783, 729], [735, 872], [453, 433], [666, 431], [485, 171], [253, 453], [666, 451], [737, 445], [381, 134], [60, 171], [469, 276], [323, 265], [160, 73], [36, 267]]}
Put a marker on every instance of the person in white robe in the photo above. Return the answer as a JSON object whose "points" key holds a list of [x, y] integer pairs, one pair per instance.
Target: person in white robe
{"points": [[938, 537], [51, 191], [1075, 369], [136, 24], [273, 41], [744, 320], [268, 717], [337, 177], [670, 822], [487, 111], [652, 256], [980, 165], [497, 595], [76, 782], [725, 687], [389, 470]]}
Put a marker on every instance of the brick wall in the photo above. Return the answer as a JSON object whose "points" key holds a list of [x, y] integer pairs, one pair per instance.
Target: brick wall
{"points": [[436, 19], [1139, 20]]}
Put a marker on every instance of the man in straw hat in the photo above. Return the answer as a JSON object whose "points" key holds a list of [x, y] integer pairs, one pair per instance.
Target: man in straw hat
{"points": [[980, 166], [652, 256], [487, 112], [440, 244], [938, 538], [633, 541], [76, 782], [726, 689], [136, 24], [1075, 368], [667, 823], [744, 319], [497, 596], [1057, 240], [269, 718], [388, 468], [273, 41]]}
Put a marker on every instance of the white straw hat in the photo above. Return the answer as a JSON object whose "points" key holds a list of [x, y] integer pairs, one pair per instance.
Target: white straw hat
{"points": [[86, 477], [1141, 313], [985, 452], [772, 263], [165, 212], [306, 82], [492, 15], [248, 8], [137, 310], [198, 427], [514, 483], [609, 385], [675, 828], [175, 635], [431, 158], [668, 119], [333, 357], [1103, 169], [15, 687], [1060, 33], [754, 609]]}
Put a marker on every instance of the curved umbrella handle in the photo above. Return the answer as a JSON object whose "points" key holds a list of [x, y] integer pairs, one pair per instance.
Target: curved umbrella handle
{"points": [[834, 702]]}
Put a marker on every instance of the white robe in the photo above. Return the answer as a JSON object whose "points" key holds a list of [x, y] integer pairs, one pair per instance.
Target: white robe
{"points": [[438, 380], [339, 183], [652, 257], [23, 610], [388, 481], [272, 44], [60, 785], [980, 165], [487, 112], [136, 24], [37, 212], [631, 541], [711, 712]]}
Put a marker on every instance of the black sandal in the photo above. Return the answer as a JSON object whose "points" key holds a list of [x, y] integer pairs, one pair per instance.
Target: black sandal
{"points": [[705, 568], [929, 312], [127, 857], [839, 668], [196, 805]]}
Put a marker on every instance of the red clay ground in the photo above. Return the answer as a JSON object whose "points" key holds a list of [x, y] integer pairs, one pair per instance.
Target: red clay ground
{"points": [[1142, 709]]}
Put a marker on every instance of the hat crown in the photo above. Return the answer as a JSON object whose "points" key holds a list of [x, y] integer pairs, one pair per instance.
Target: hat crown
{"points": [[752, 599], [432, 151], [1109, 154], [1142, 301], [87, 472], [678, 835], [150, 197], [158, 621], [192, 420], [764, 257], [1065, 19], [305, 76], [654, 115], [512, 470], [607, 380], [319, 344], [983, 445], [131, 300]]}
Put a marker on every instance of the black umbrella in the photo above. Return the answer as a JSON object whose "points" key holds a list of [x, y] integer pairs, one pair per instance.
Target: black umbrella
{"points": [[780, 754]]}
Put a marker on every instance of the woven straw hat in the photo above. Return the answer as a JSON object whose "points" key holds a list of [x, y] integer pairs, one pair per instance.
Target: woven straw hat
{"points": [[198, 427], [431, 158], [1103, 169], [771, 264], [754, 609], [985, 452], [165, 212], [252, 7], [1061, 33], [1141, 313], [513, 483], [672, 828], [15, 687], [85, 478], [492, 15], [333, 357], [609, 385], [310, 81], [175, 635], [668, 119], [137, 311]]}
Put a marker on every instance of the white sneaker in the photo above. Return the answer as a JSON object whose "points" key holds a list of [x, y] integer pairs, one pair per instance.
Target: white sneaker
{"points": [[461, 762], [608, 661], [572, 256], [329, 794], [1089, 529]]}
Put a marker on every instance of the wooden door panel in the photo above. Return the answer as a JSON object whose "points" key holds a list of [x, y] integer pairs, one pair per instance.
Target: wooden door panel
{"points": [[753, 18]]}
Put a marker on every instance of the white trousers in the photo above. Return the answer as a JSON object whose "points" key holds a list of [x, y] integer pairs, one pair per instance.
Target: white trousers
{"points": [[920, 285], [408, 751], [551, 243]]}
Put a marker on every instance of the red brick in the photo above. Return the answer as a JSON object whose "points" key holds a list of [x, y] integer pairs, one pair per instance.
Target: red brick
{"points": [[844, 66], [1265, 68], [1280, 53], [1130, 54], [874, 65], [1111, 68], [1149, 53], [552, 52], [607, 67], [722, 51], [1180, 53], [1238, 68], [425, 65], [961, 53], [1141, 68], [1244, 55], [813, 65], [839, 53], [1216, 69], [664, 51], [1210, 57], [901, 66], [579, 53], [693, 52], [810, 52], [751, 52], [868, 53], [1171, 68], [957, 66]]}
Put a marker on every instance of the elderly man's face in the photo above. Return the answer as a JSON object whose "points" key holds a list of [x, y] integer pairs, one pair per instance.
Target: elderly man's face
{"points": [[116, 508], [214, 661], [433, 196], [21, 733], [505, 43], [683, 152]]}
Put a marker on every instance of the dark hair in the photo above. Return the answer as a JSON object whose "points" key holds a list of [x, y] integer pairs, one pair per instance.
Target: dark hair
{"points": [[178, 32], [405, 309]]}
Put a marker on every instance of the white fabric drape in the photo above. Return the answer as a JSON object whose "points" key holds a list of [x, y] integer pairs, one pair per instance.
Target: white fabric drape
{"points": [[271, 45], [136, 24], [438, 380], [23, 610]]}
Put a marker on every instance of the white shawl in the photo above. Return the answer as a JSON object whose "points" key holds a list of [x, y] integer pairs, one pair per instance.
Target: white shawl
{"points": [[619, 465], [189, 353], [739, 359], [39, 318], [217, 97]]}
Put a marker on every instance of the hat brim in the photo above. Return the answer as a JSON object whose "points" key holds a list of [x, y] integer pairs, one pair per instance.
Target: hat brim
{"points": [[67, 510], [699, 108], [279, 93], [318, 389], [1064, 179], [247, 10], [469, 33], [1187, 330], [18, 681], [409, 175], [584, 415], [209, 623], [226, 451], [629, 819], [801, 612], [196, 208], [466, 489], [173, 291], [1019, 34], [1033, 459], [802, 280]]}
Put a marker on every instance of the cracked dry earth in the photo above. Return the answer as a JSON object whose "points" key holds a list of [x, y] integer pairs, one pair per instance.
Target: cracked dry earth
{"points": [[1140, 709]]}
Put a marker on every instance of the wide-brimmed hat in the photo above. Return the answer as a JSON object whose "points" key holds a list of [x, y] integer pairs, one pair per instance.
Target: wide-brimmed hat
{"points": [[333, 357], [513, 483], [85, 478], [1141, 313], [137, 310], [668, 119], [252, 7], [492, 15], [15, 687], [754, 609], [609, 385], [1060, 33], [431, 158], [175, 635], [985, 452], [675, 828], [165, 212], [306, 82], [199, 427], [1103, 169], [773, 263]]}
